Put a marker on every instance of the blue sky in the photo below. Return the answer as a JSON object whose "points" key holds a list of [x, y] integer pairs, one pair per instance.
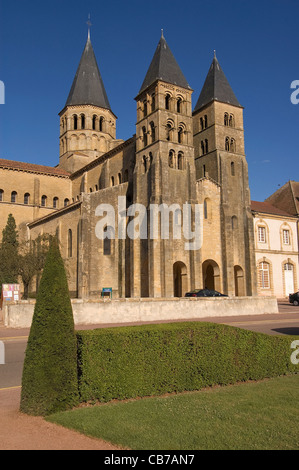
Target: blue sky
{"points": [[256, 44]]}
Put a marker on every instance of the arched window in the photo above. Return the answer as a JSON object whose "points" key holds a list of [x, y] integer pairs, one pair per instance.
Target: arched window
{"points": [[144, 164], [13, 196], [44, 201], [169, 129], [144, 108], [201, 124], [94, 121], [153, 131], [82, 121], [167, 101], [26, 198], [119, 178], [264, 275], [231, 122], [206, 146], [70, 243], [232, 145], [112, 181], [75, 119], [180, 161], [232, 168], [179, 105], [66, 202], [226, 119], [206, 121], [227, 144], [153, 106], [101, 124], [171, 159], [180, 134], [1, 195], [144, 134], [55, 202], [202, 147]]}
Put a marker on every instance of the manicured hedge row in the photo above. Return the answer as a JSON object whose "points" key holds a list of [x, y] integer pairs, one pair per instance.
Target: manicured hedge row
{"points": [[127, 362]]}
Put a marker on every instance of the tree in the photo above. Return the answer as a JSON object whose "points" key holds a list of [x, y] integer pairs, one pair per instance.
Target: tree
{"points": [[9, 268], [32, 259], [49, 381]]}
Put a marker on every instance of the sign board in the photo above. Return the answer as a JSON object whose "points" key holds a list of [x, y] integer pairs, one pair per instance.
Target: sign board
{"points": [[10, 292], [107, 291]]}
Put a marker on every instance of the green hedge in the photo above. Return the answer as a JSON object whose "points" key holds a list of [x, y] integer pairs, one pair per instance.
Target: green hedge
{"points": [[128, 362]]}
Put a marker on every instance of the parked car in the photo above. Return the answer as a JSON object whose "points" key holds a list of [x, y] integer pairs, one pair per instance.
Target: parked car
{"points": [[204, 293], [294, 298]]}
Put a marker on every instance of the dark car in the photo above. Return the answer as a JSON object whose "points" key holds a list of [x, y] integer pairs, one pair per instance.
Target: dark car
{"points": [[204, 293], [294, 298]]}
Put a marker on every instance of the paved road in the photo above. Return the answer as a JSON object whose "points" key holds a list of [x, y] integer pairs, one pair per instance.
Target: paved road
{"points": [[15, 341]]}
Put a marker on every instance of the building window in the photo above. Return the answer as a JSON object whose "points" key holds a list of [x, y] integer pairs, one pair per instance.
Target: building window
{"points": [[13, 196], [26, 198], [82, 121], [264, 275], [94, 120], [204, 146], [180, 134], [225, 119], [144, 136], [108, 236], [144, 108], [207, 208], [101, 121], [119, 178], [44, 201], [75, 122], [55, 202], [286, 237], [70, 243], [1, 195], [262, 234], [231, 121], [232, 168], [167, 101], [171, 157], [180, 161], [66, 202], [112, 181], [179, 105], [153, 106], [153, 131]]}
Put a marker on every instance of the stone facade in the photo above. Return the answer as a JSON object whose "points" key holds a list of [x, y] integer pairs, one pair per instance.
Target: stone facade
{"points": [[177, 157]]}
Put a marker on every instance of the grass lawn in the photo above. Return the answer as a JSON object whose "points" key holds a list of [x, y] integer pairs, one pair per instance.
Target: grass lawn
{"points": [[257, 415]]}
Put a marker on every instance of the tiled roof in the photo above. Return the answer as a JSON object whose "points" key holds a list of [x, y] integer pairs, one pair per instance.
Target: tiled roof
{"points": [[216, 88], [267, 208], [88, 86], [164, 67], [32, 168]]}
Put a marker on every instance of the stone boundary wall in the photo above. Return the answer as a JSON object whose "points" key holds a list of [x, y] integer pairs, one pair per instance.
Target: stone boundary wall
{"points": [[19, 314]]}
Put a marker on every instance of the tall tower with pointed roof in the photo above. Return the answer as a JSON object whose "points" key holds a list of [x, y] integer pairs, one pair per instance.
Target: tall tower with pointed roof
{"points": [[164, 171], [220, 155], [87, 123]]}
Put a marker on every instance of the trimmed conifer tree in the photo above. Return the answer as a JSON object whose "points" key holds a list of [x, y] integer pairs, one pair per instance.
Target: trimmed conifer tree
{"points": [[49, 381]]}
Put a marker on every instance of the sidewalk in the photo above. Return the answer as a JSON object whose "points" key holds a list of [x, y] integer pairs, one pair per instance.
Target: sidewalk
{"points": [[22, 432]]}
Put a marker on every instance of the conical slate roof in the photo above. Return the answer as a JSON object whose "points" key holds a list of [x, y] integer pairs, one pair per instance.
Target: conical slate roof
{"points": [[164, 67], [216, 88], [88, 86]]}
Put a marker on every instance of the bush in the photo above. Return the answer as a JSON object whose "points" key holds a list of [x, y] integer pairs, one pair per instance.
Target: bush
{"points": [[50, 381], [127, 362]]}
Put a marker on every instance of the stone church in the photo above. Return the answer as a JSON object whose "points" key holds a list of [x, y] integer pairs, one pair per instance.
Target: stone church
{"points": [[180, 155]]}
